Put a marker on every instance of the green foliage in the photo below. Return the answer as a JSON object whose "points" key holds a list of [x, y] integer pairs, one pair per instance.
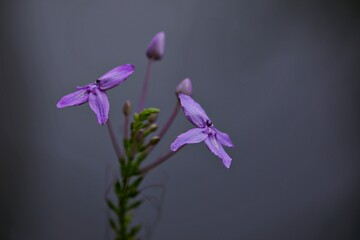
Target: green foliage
{"points": [[145, 114], [112, 224], [126, 189], [112, 206], [134, 230], [134, 205]]}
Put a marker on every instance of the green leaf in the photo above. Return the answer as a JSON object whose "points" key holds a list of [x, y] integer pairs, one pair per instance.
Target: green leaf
{"points": [[134, 205], [126, 144], [134, 230], [140, 158], [132, 192], [117, 188], [128, 219], [111, 205], [136, 126], [112, 224], [137, 182]]}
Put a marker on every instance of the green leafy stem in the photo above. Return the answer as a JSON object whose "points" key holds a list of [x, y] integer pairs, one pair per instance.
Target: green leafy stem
{"points": [[137, 147]]}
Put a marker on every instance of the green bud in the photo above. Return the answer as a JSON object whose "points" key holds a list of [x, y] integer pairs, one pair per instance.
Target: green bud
{"points": [[154, 140], [153, 117], [153, 127], [144, 115]]}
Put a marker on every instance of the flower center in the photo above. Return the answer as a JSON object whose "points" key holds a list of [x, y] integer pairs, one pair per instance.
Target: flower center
{"points": [[209, 130], [93, 86]]}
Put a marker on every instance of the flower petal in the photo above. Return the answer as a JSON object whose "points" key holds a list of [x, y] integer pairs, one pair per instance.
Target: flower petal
{"points": [[73, 99], [223, 138], [194, 135], [216, 148], [193, 111], [99, 103], [115, 76], [87, 86]]}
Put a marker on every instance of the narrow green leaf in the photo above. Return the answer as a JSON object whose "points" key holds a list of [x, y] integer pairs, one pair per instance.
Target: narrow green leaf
{"points": [[141, 157], [117, 188], [111, 205], [134, 205], [133, 193], [112, 224], [137, 182], [134, 230]]}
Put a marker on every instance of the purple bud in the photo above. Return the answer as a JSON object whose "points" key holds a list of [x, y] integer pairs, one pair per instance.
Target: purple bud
{"points": [[127, 108], [185, 87], [156, 47]]}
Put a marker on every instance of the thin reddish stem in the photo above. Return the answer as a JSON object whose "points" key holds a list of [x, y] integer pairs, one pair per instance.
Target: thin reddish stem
{"points": [[169, 122], [159, 161], [115, 144], [145, 85]]}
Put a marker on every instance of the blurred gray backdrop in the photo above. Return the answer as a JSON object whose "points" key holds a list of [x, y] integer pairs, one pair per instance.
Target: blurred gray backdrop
{"points": [[282, 77]]}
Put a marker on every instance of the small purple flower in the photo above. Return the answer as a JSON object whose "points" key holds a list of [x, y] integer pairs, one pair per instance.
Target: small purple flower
{"points": [[204, 131], [95, 93], [156, 47]]}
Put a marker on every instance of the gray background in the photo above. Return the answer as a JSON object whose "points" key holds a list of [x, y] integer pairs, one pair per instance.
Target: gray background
{"points": [[281, 77]]}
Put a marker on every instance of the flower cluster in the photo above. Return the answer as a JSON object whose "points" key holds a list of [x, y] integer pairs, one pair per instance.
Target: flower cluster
{"points": [[136, 143]]}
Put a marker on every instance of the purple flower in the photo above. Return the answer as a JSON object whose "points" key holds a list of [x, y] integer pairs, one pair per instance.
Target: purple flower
{"points": [[156, 47], [95, 93], [204, 131]]}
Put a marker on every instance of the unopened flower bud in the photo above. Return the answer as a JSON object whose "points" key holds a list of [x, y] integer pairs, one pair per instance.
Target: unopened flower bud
{"points": [[127, 108], [153, 127], [156, 47], [185, 87], [153, 117], [154, 140]]}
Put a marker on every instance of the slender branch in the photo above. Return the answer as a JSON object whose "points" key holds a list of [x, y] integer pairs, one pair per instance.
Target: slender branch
{"points": [[145, 85], [159, 161], [113, 140], [170, 120]]}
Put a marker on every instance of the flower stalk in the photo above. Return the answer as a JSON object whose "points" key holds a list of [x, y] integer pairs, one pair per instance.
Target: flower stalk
{"points": [[156, 163], [145, 85], [170, 120], [114, 142]]}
